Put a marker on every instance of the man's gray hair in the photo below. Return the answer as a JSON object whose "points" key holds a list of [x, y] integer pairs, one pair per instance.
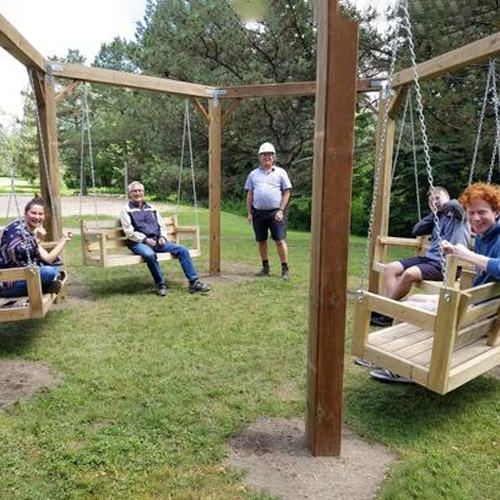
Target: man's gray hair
{"points": [[134, 183]]}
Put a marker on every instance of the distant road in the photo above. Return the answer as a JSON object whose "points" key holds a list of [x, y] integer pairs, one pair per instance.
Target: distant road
{"points": [[71, 205]]}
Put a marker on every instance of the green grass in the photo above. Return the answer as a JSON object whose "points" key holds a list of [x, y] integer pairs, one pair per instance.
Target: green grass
{"points": [[152, 389]]}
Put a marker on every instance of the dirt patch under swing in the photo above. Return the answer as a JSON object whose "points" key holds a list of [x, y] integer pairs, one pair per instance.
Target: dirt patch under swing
{"points": [[273, 453]]}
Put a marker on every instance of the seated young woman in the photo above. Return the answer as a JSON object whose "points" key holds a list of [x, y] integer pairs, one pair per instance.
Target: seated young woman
{"points": [[20, 246], [482, 205]]}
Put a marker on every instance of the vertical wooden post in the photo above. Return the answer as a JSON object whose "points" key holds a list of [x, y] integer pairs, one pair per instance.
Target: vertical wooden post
{"points": [[214, 194], [334, 138], [383, 200], [45, 101]]}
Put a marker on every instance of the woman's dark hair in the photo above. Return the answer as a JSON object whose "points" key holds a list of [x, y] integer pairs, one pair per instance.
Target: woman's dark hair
{"points": [[35, 201]]}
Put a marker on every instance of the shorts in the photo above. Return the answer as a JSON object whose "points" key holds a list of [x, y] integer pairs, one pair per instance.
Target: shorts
{"points": [[430, 268], [264, 221]]}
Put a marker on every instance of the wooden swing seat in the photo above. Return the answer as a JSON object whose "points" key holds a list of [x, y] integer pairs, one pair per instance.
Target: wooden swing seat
{"points": [[420, 244], [36, 304], [438, 350], [104, 243]]}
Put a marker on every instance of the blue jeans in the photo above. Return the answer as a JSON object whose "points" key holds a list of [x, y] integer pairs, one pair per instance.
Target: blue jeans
{"points": [[179, 251], [20, 288]]}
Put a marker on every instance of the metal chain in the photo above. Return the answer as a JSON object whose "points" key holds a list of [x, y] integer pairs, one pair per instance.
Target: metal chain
{"points": [[421, 117], [385, 93], [45, 162], [88, 127], [496, 144], [191, 158], [181, 164], [12, 174], [415, 161], [481, 120], [186, 133], [400, 137]]}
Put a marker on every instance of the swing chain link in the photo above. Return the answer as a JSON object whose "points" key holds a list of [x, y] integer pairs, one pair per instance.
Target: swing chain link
{"points": [[415, 160], [12, 175], [384, 100], [421, 117], [481, 120], [496, 145]]}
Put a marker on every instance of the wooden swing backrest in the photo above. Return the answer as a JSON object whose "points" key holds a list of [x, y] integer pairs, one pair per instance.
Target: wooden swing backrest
{"points": [[115, 238]]}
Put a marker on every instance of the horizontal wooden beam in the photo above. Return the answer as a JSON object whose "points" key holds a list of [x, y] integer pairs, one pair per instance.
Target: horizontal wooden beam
{"points": [[293, 89], [471, 53], [16, 45], [129, 80]]}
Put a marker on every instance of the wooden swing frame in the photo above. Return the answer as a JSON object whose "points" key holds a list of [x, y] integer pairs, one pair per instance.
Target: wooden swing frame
{"points": [[335, 93], [444, 349]]}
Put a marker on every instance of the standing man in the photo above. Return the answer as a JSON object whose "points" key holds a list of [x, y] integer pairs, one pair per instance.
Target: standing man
{"points": [[147, 235], [268, 192]]}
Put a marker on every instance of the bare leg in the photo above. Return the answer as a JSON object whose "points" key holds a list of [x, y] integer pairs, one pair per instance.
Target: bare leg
{"points": [[262, 245], [405, 282], [392, 272], [282, 249]]}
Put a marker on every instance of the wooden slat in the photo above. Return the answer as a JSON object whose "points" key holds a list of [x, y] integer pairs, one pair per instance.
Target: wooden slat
{"points": [[401, 366], [454, 60], [484, 292], [402, 312], [399, 242], [480, 312], [361, 327], [34, 292], [130, 80], [401, 344], [471, 369], [444, 340], [385, 335], [16, 45]]}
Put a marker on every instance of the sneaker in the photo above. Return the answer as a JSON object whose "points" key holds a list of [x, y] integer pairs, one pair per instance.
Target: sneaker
{"points": [[285, 274], [388, 376], [363, 362], [264, 271], [198, 286], [52, 287], [162, 290], [380, 320]]}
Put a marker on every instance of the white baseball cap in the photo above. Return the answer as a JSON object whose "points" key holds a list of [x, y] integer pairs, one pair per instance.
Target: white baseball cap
{"points": [[267, 147]]}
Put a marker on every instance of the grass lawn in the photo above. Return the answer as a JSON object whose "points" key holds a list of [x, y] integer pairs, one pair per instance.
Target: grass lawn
{"points": [[152, 389]]}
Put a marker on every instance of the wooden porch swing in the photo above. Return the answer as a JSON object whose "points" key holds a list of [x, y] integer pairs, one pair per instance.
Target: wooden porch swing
{"points": [[104, 243], [439, 350], [36, 303]]}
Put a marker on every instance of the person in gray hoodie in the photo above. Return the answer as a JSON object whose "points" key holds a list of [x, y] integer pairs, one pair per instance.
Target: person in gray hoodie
{"points": [[402, 274]]}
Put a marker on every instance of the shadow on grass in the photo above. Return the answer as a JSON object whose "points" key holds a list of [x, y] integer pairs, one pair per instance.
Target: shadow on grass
{"points": [[400, 415], [17, 337], [117, 285]]}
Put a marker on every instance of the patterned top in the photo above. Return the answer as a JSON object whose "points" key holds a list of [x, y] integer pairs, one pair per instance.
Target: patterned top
{"points": [[16, 244]]}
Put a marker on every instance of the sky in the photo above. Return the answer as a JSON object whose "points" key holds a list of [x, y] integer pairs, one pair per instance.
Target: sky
{"points": [[54, 26]]}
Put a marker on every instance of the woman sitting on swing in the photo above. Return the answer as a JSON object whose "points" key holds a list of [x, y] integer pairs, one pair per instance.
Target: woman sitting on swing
{"points": [[20, 247]]}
